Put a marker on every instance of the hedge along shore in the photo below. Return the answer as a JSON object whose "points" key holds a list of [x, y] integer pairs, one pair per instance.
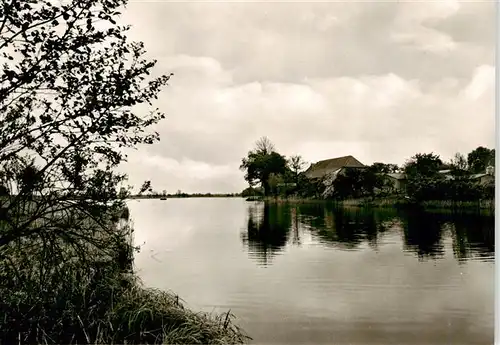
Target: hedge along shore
{"points": [[388, 202], [97, 302]]}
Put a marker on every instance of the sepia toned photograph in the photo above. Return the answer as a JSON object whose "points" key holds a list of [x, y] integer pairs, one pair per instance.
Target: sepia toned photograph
{"points": [[247, 172]]}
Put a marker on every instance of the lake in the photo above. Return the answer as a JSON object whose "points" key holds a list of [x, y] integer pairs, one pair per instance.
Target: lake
{"points": [[310, 273]]}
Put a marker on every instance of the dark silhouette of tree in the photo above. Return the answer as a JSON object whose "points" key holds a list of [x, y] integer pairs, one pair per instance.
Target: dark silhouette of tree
{"points": [[423, 165], [296, 164], [383, 168], [459, 163], [479, 158], [356, 183], [69, 86], [264, 146], [422, 172], [348, 184], [261, 163]]}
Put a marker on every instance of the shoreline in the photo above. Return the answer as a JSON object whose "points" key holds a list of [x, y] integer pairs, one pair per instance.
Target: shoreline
{"points": [[102, 298], [392, 202]]}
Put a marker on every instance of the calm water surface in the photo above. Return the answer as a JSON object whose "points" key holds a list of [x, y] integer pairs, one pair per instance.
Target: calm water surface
{"points": [[309, 273]]}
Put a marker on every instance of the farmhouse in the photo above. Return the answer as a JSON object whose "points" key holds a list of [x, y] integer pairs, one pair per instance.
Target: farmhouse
{"points": [[329, 169], [332, 167]]}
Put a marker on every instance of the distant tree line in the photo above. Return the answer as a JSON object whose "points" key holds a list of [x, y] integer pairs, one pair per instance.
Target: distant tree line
{"points": [[270, 173], [151, 194]]}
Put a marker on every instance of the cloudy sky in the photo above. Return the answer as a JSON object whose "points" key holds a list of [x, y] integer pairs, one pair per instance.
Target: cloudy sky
{"points": [[380, 81]]}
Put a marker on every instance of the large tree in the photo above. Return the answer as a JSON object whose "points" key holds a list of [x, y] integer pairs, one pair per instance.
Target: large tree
{"points": [[423, 165], [261, 162], [459, 166], [480, 158], [69, 86], [264, 146]]}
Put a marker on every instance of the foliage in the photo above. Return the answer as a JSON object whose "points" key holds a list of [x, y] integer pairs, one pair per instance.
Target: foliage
{"points": [[488, 191], [479, 158], [261, 163], [348, 184], [264, 146], [273, 182], [375, 180], [308, 188], [357, 183], [425, 183], [459, 164], [383, 168], [70, 85], [297, 165], [250, 191], [444, 189], [424, 177], [101, 305], [422, 165], [68, 88]]}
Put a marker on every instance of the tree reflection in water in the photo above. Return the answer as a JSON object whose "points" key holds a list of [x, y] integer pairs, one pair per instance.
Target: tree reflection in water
{"points": [[267, 230], [271, 227]]}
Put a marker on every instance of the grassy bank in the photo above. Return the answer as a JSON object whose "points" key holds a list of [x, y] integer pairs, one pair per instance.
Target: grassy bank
{"points": [[52, 297], [105, 307], [430, 204], [294, 200]]}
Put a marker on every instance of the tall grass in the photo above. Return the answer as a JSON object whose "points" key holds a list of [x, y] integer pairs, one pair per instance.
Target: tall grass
{"points": [[480, 204], [62, 299], [393, 201], [292, 199]]}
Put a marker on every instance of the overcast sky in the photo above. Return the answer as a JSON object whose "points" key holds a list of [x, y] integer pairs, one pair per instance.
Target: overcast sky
{"points": [[379, 81]]}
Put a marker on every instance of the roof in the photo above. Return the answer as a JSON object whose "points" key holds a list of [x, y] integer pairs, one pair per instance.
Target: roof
{"points": [[327, 166], [397, 176], [475, 176]]}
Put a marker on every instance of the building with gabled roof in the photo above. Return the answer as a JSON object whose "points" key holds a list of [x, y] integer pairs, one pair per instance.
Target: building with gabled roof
{"points": [[332, 166]]}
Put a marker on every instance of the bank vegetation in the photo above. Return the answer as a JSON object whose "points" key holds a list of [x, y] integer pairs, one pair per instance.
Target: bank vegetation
{"points": [[70, 85], [425, 180]]}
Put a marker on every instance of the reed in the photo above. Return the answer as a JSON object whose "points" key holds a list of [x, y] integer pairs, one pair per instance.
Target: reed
{"points": [[52, 296], [391, 202]]}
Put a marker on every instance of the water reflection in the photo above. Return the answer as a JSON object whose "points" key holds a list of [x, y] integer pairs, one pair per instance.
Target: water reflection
{"points": [[271, 228], [474, 237], [267, 232], [423, 234]]}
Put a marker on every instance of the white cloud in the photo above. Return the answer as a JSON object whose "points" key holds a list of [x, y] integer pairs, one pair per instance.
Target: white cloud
{"points": [[323, 81], [483, 81], [410, 26]]}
